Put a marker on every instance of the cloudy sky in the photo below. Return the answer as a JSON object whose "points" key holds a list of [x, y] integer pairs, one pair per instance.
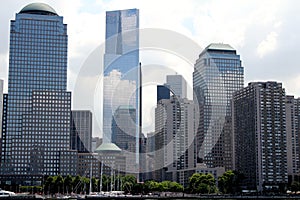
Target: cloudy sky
{"points": [[265, 33]]}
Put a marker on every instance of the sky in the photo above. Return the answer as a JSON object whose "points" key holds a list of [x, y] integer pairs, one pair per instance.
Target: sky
{"points": [[266, 34]]}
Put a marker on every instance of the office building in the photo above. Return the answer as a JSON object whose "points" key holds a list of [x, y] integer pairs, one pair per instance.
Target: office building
{"points": [[123, 134], [260, 138], [162, 92], [1, 105], [218, 73], [96, 142], [177, 84], [174, 140], [121, 81], [81, 130], [36, 139], [292, 110]]}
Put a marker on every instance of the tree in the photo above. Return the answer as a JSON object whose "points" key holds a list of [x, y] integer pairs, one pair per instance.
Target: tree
{"points": [[129, 181], [68, 182], [48, 184], [295, 186], [202, 183], [229, 182], [58, 183]]}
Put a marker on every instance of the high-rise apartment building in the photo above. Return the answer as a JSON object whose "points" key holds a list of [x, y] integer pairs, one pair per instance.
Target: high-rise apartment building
{"points": [[174, 144], [260, 138], [177, 84], [36, 139], [121, 82], [218, 73], [81, 130], [292, 110], [1, 105]]}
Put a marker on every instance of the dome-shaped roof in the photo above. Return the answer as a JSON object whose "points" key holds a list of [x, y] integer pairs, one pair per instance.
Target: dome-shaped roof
{"points": [[108, 147], [38, 8]]}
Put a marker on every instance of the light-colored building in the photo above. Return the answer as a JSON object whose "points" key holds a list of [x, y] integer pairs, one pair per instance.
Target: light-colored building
{"points": [[177, 84], [174, 139], [292, 110]]}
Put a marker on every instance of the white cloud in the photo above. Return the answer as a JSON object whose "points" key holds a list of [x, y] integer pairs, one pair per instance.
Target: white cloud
{"points": [[267, 45]]}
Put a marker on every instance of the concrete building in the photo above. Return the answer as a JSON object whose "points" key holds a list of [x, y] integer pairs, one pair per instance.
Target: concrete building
{"points": [[174, 139], [260, 137], [218, 72], [292, 110], [1, 105], [81, 130]]}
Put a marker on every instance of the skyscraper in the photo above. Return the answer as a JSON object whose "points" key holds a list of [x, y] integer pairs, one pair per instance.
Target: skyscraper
{"points": [[81, 130], [174, 138], [121, 69], [292, 110], [177, 85], [218, 73], [1, 105], [123, 134], [259, 129], [37, 134]]}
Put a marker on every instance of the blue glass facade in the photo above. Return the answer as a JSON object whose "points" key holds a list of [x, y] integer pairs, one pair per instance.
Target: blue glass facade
{"points": [[38, 109], [121, 70], [217, 74], [121, 65]]}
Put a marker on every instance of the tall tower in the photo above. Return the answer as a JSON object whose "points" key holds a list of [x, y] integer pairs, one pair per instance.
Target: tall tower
{"points": [[121, 83], [259, 130], [218, 73], [37, 134], [177, 85], [81, 130], [1, 106]]}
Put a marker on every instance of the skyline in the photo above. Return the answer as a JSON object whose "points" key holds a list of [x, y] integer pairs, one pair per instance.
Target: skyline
{"points": [[265, 36]]}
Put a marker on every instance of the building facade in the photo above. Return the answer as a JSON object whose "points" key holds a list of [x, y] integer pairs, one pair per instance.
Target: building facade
{"points": [[259, 128], [174, 139], [123, 134], [292, 109], [177, 84], [121, 81], [37, 132], [81, 130], [1, 105], [218, 72]]}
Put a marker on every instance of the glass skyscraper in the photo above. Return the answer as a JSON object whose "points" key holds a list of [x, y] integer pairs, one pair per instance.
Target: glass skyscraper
{"points": [[37, 131], [121, 70], [218, 73]]}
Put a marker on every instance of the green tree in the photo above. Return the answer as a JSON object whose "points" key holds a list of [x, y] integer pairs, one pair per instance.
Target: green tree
{"points": [[202, 183], [68, 182], [229, 182], [48, 184], [58, 183], [129, 181]]}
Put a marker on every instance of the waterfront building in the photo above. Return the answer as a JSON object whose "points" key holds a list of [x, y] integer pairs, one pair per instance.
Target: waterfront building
{"points": [[81, 130], [218, 72], [292, 110], [121, 81], [175, 150], [36, 139], [260, 137]]}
